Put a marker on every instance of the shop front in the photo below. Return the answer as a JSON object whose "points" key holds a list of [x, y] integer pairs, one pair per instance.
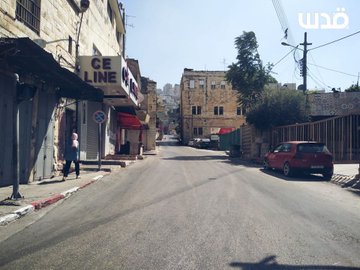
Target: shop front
{"points": [[121, 95], [34, 90]]}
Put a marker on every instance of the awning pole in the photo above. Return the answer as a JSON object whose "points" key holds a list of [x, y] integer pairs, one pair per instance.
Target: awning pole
{"points": [[16, 157]]}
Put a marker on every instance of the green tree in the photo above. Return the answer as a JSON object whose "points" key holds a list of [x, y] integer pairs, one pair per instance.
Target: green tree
{"points": [[353, 88], [277, 107], [248, 75]]}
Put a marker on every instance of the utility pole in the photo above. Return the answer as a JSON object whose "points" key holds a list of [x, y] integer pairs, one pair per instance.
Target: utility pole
{"points": [[304, 62]]}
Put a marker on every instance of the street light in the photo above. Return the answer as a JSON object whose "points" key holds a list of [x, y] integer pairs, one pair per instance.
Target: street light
{"points": [[84, 5], [303, 72]]}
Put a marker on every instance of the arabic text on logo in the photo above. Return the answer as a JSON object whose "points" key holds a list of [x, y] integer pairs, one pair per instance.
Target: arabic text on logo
{"points": [[321, 20]]}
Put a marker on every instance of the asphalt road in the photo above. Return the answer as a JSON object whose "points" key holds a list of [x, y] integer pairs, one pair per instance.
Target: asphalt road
{"points": [[188, 208]]}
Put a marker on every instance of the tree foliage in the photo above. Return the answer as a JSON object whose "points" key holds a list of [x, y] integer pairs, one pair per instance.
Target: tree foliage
{"points": [[248, 75], [277, 107], [353, 88]]}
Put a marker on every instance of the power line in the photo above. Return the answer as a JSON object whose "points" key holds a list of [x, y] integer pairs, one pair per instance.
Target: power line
{"points": [[283, 58], [318, 81], [348, 74], [331, 42], [317, 69]]}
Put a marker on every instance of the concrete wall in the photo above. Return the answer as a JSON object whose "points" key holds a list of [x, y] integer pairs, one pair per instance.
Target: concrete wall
{"points": [[334, 104]]}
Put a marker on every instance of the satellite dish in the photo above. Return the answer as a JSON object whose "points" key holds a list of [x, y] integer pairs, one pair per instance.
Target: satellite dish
{"points": [[301, 87]]}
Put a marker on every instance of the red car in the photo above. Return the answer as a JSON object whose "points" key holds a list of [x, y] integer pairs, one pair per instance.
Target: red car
{"points": [[301, 156]]}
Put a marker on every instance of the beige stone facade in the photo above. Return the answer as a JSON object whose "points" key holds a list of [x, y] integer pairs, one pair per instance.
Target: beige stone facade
{"points": [[62, 30], [150, 106], [208, 104]]}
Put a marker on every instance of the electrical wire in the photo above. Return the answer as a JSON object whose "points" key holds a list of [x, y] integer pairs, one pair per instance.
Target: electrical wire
{"points": [[317, 69], [317, 81], [331, 42], [348, 74], [283, 58]]}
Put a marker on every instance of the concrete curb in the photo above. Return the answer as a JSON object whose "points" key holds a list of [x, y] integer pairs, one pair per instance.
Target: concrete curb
{"points": [[346, 181], [37, 205]]}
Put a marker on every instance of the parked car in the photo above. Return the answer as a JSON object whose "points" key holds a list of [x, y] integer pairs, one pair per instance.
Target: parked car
{"points": [[203, 143], [301, 156]]}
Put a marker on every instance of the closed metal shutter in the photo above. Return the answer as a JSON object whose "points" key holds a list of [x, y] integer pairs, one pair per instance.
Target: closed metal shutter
{"points": [[45, 135], [92, 132]]}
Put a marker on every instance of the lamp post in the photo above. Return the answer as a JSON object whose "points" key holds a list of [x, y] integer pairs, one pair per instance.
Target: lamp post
{"points": [[303, 69], [84, 5]]}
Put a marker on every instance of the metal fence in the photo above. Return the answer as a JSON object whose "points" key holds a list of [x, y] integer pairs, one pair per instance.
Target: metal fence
{"points": [[341, 135]]}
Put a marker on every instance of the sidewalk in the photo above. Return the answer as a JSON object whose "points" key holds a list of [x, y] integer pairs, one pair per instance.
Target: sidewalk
{"points": [[344, 175], [39, 194]]}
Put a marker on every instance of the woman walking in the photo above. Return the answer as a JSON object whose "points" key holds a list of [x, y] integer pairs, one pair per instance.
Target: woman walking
{"points": [[72, 154]]}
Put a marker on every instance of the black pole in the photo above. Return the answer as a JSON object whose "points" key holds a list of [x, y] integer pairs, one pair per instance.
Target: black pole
{"points": [[16, 156], [304, 73], [304, 62], [99, 146]]}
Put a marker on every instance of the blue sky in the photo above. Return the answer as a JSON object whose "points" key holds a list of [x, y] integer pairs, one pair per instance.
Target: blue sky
{"points": [[167, 36]]}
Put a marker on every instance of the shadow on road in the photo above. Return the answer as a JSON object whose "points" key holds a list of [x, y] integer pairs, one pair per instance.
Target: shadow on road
{"points": [[199, 158], [269, 263], [296, 177], [168, 143]]}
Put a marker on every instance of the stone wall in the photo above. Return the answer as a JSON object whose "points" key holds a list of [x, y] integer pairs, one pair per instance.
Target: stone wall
{"points": [[207, 89]]}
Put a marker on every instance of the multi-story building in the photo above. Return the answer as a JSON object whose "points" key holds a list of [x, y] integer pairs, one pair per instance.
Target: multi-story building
{"points": [[209, 105], [149, 105], [60, 62]]}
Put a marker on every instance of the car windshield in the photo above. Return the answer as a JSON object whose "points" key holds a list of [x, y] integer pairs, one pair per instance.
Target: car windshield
{"points": [[312, 148]]}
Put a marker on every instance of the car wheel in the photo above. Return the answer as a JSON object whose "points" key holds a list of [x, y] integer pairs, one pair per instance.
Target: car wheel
{"points": [[287, 169], [266, 165], [327, 176]]}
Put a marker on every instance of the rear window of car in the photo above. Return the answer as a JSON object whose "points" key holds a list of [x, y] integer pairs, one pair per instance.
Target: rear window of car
{"points": [[312, 148]]}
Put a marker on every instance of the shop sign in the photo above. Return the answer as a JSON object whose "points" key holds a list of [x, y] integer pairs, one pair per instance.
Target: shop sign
{"points": [[128, 82], [101, 70]]}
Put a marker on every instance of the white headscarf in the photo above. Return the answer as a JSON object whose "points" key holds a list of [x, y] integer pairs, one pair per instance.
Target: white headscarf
{"points": [[75, 143]]}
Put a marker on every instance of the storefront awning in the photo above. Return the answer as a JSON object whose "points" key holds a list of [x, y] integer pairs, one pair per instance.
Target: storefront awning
{"points": [[225, 130], [128, 121], [23, 56]]}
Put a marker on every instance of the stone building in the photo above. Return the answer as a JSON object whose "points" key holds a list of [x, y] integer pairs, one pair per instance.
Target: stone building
{"points": [[148, 89], [209, 105], [60, 62]]}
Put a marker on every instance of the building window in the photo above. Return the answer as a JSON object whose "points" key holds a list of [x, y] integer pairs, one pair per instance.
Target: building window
{"points": [[218, 110], [198, 131], [196, 110], [191, 84], [201, 84], [242, 111], [28, 12], [213, 85], [222, 84]]}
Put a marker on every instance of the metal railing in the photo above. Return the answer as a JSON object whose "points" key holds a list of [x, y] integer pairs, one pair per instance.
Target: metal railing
{"points": [[341, 135]]}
